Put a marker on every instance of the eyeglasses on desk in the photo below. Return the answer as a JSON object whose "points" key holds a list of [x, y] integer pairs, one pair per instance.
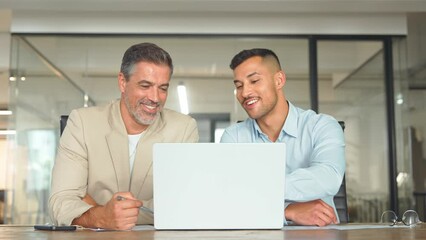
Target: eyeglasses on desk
{"points": [[409, 218]]}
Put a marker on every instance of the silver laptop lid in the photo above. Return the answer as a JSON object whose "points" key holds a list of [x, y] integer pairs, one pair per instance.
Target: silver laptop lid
{"points": [[219, 186]]}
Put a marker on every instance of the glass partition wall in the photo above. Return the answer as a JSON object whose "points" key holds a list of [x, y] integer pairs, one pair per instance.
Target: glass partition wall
{"points": [[66, 72], [39, 95], [352, 90], [356, 93]]}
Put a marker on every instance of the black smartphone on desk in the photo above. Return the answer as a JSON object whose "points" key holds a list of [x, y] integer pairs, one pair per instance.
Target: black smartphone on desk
{"points": [[55, 228]]}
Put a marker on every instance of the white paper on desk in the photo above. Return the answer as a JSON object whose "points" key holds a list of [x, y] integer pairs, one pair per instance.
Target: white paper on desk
{"points": [[344, 227], [103, 230], [98, 229], [143, 228], [135, 228]]}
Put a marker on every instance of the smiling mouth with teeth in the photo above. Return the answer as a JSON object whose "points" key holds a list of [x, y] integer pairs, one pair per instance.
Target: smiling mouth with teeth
{"points": [[151, 107], [252, 101]]}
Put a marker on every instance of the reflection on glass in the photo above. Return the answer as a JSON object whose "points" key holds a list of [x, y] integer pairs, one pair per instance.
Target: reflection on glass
{"points": [[351, 89], [37, 104]]}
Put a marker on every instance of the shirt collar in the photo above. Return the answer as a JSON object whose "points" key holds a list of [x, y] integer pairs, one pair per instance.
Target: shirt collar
{"points": [[290, 125], [256, 127]]}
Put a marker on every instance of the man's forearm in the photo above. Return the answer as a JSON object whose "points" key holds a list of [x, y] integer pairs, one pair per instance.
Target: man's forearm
{"points": [[315, 212], [115, 214], [89, 218], [307, 184], [92, 218]]}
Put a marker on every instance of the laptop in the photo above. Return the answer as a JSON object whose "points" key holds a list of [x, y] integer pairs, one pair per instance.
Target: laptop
{"points": [[219, 185]]}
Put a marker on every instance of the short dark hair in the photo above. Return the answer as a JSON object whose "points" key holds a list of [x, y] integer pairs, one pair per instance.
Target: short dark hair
{"points": [[248, 53], [144, 52]]}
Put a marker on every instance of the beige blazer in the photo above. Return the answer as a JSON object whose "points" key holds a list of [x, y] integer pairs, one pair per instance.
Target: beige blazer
{"points": [[93, 158]]}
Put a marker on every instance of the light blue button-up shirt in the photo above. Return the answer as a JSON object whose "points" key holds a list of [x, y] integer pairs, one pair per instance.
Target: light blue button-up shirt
{"points": [[315, 162]]}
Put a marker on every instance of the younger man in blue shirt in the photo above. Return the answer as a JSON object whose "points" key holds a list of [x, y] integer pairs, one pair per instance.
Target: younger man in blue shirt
{"points": [[315, 142]]}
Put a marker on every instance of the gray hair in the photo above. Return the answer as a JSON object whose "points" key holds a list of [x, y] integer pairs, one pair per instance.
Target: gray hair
{"points": [[144, 52]]}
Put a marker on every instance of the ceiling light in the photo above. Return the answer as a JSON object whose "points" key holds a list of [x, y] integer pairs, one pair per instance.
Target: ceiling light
{"points": [[12, 78], [7, 132], [399, 99], [86, 100], [5, 112], [183, 98]]}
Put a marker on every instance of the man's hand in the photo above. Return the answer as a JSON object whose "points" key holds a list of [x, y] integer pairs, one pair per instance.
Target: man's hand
{"points": [[116, 214], [314, 212]]}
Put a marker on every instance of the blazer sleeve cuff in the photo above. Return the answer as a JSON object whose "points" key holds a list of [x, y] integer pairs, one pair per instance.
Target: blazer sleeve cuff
{"points": [[72, 212]]}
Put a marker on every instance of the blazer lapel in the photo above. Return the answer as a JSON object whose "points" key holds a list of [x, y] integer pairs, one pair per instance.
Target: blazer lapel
{"points": [[118, 144], [143, 161], [120, 155]]}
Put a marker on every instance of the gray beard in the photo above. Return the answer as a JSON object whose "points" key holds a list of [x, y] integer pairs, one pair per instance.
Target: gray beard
{"points": [[138, 117]]}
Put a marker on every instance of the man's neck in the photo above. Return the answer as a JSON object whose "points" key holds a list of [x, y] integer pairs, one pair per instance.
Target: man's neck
{"points": [[272, 124]]}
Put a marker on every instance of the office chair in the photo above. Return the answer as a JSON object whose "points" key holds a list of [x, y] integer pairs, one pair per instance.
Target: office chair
{"points": [[340, 199], [63, 123]]}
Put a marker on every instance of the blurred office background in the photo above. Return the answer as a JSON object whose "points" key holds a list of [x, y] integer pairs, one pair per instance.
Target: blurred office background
{"points": [[363, 62]]}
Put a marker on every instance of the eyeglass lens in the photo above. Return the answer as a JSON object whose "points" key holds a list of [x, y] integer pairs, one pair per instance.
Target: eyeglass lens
{"points": [[410, 217], [389, 217]]}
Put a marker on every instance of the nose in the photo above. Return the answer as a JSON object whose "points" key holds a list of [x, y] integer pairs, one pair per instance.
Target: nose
{"points": [[153, 95], [245, 91]]}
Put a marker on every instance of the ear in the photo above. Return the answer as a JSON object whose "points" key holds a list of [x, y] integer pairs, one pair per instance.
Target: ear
{"points": [[280, 79], [122, 82]]}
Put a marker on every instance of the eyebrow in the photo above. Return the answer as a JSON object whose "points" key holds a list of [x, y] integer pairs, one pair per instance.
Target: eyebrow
{"points": [[152, 83], [252, 74], [145, 81]]}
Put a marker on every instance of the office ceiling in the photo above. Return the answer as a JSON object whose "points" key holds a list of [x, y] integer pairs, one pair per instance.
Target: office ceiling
{"points": [[255, 6]]}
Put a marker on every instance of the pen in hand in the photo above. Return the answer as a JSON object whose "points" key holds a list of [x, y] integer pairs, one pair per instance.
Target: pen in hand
{"points": [[143, 208]]}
